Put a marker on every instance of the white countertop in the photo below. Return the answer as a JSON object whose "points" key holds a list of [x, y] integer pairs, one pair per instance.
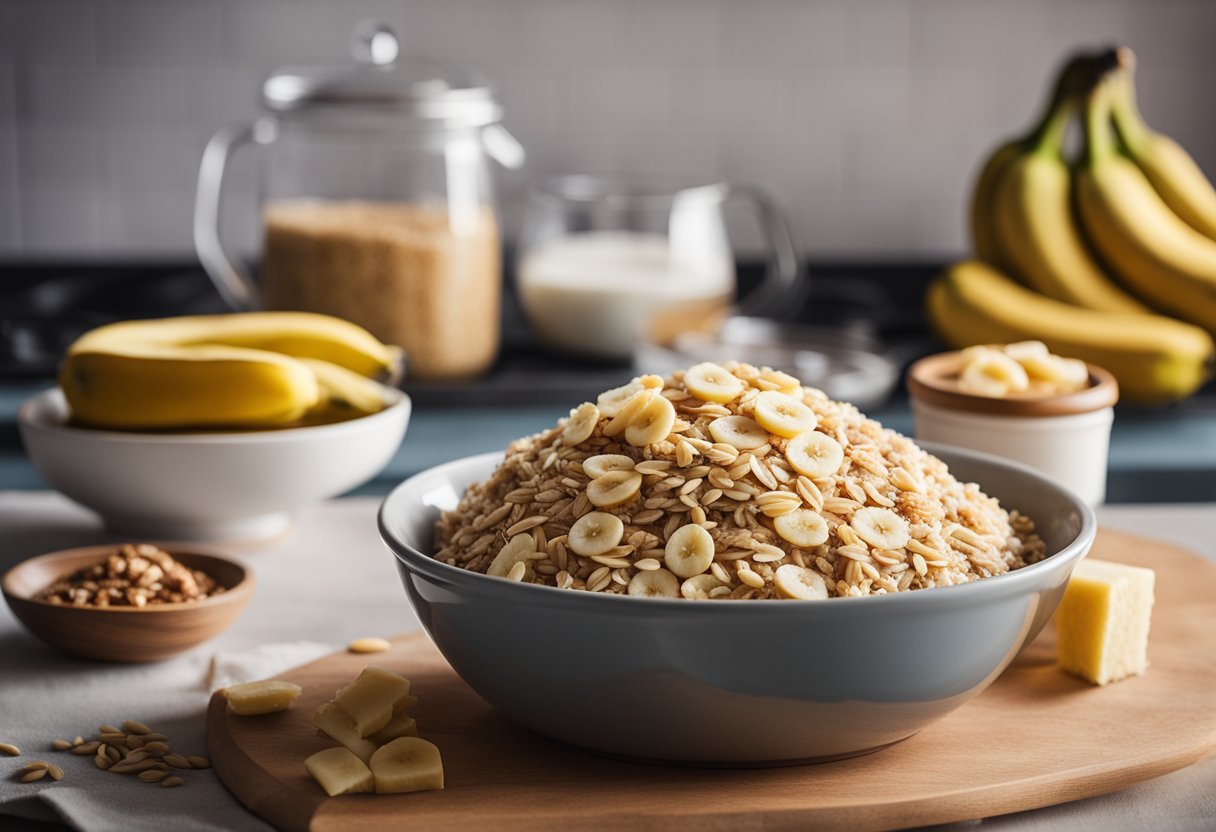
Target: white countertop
{"points": [[332, 580]]}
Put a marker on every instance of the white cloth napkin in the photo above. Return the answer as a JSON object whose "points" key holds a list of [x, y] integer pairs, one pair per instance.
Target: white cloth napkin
{"points": [[43, 696]]}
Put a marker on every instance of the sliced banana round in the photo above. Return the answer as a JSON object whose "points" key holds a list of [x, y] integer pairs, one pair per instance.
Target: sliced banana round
{"points": [[698, 587], [738, 431], [617, 424], [880, 527], [689, 551], [978, 350], [785, 382], [1076, 372], [614, 488], [652, 423], [595, 533], [814, 454], [1026, 349], [1048, 368], [581, 424], [802, 528], [784, 415], [993, 374], [657, 583], [519, 549], [611, 401], [710, 382], [600, 464], [799, 583]]}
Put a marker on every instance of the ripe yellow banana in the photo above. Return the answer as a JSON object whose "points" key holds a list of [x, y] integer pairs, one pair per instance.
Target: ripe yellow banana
{"points": [[1159, 256], [298, 334], [1074, 77], [985, 239], [179, 387], [343, 394], [1038, 235], [255, 370], [1171, 170], [1155, 359]]}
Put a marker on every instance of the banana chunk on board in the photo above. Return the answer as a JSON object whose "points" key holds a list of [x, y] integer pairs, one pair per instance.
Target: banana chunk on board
{"points": [[338, 725], [261, 697], [401, 724], [338, 771], [370, 698], [408, 764], [380, 749]]}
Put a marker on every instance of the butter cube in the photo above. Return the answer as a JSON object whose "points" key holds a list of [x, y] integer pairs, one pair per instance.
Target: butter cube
{"points": [[1103, 621], [264, 697], [369, 699], [338, 771]]}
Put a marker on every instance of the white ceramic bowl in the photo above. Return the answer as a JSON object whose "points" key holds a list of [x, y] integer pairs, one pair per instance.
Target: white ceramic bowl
{"points": [[206, 486]]}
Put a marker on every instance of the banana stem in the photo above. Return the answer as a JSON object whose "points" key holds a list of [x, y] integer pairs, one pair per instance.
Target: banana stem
{"points": [[1129, 124], [1049, 136], [1059, 107], [1074, 83], [1099, 140]]}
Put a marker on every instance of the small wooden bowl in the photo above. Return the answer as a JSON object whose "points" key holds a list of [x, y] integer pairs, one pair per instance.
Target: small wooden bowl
{"points": [[125, 634]]}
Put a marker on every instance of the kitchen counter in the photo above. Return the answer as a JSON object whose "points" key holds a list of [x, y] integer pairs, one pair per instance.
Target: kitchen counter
{"points": [[312, 599]]}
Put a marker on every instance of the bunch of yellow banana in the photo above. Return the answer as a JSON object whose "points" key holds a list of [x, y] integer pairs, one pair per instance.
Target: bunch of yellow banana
{"points": [[1146, 209], [1100, 248], [1074, 79], [250, 370], [1155, 359]]}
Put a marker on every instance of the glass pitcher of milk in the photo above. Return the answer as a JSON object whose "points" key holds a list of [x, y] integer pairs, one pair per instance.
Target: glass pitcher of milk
{"points": [[607, 263]]}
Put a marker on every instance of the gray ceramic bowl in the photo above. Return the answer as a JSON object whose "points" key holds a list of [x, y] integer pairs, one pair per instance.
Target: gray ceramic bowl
{"points": [[740, 682]]}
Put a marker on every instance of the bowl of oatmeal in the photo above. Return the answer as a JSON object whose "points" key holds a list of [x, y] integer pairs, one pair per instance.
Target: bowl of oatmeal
{"points": [[726, 567]]}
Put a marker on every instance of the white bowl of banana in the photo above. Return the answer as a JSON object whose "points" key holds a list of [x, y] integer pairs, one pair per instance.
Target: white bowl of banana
{"points": [[216, 427]]}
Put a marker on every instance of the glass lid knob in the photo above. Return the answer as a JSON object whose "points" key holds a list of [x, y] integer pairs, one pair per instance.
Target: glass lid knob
{"points": [[374, 42]]}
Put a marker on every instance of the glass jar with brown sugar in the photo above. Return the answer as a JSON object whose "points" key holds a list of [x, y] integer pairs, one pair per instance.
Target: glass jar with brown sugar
{"points": [[378, 203]]}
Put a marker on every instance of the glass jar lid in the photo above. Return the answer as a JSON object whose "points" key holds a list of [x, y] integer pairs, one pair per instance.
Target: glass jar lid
{"points": [[377, 80]]}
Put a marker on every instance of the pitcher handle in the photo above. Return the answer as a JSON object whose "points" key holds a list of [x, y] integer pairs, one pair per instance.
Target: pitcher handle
{"points": [[234, 284], [782, 290]]}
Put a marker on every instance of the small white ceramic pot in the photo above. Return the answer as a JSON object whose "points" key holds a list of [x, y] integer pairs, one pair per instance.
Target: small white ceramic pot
{"points": [[1067, 437]]}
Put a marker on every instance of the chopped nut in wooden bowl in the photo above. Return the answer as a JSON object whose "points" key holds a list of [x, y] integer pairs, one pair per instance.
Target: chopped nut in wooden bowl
{"points": [[127, 604]]}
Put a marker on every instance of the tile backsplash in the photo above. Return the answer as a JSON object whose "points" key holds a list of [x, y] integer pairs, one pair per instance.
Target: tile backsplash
{"points": [[865, 119]]}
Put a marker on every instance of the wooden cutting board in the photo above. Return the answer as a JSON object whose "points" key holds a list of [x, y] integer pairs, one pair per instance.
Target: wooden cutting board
{"points": [[1036, 737]]}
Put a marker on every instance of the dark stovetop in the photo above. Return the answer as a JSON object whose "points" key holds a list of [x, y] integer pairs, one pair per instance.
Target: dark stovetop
{"points": [[44, 307], [1157, 454]]}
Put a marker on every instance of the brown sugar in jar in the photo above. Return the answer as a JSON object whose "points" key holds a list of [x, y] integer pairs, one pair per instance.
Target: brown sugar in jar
{"points": [[396, 268]]}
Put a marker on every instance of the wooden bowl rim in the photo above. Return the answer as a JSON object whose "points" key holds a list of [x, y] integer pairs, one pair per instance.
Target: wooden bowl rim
{"points": [[926, 381], [238, 591]]}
